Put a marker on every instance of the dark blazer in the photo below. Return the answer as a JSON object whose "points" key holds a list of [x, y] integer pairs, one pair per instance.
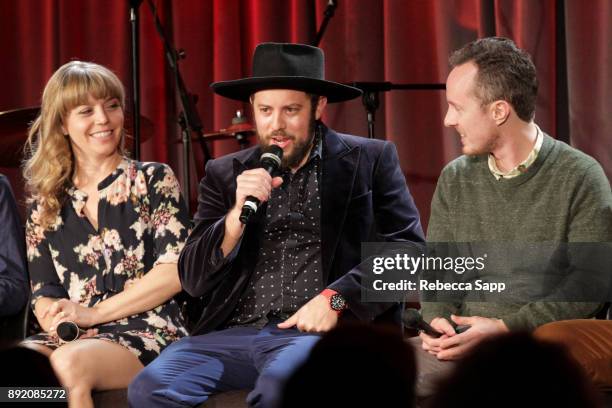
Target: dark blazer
{"points": [[14, 284], [364, 198]]}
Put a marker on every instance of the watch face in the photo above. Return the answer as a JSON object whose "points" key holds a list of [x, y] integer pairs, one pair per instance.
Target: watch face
{"points": [[337, 302]]}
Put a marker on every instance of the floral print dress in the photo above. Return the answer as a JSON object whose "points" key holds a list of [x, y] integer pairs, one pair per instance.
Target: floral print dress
{"points": [[142, 223]]}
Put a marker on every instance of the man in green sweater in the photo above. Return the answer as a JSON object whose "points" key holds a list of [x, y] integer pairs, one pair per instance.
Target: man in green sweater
{"points": [[513, 184]]}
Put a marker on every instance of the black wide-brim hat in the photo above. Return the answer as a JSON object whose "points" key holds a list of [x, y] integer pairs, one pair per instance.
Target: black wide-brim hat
{"points": [[286, 66]]}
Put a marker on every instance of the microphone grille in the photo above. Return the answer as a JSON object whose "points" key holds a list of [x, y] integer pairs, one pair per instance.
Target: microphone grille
{"points": [[67, 331], [274, 149], [273, 154]]}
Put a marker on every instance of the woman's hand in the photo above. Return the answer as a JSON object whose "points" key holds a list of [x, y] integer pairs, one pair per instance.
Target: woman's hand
{"points": [[65, 310]]}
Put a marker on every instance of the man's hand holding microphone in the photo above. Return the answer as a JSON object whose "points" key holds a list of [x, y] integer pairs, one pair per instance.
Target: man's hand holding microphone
{"points": [[253, 187]]}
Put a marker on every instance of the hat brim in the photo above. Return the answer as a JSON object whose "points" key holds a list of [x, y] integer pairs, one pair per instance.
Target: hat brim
{"points": [[242, 89]]}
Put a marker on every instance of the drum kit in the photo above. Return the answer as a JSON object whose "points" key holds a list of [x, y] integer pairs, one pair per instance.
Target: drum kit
{"points": [[14, 123], [240, 130]]}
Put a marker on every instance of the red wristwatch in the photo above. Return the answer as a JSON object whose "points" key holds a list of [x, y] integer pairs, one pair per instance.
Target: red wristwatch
{"points": [[336, 301]]}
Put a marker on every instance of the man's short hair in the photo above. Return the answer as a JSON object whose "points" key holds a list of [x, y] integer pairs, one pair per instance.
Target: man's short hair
{"points": [[505, 72]]}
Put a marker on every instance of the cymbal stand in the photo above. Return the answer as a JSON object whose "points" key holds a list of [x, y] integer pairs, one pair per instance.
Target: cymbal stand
{"points": [[134, 6], [327, 15], [189, 119]]}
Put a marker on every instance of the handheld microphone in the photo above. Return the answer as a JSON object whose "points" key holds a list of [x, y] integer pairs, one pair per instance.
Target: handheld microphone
{"points": [[412, 318], [270, 161], [69, 331]]}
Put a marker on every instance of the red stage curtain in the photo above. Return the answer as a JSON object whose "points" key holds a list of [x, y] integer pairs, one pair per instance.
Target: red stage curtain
{"points": [[403, 41]]}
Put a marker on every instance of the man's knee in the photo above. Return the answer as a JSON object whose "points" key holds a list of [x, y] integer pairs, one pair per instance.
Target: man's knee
{"points": [[267, 392], [140, 390]]}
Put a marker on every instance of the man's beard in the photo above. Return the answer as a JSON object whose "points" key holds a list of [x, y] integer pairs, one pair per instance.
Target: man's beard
{"points": [[300, 149]]}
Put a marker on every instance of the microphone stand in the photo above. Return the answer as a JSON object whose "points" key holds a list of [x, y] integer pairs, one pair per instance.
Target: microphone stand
{"points": [[189, 119], [327, 15], [134, 6], [371, 100]]}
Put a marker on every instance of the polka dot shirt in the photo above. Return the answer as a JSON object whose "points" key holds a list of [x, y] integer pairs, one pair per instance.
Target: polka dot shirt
{"points": [[288, 271]]}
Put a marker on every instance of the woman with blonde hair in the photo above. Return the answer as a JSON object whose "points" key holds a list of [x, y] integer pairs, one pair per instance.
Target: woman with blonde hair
{"points": [[103, 236]]}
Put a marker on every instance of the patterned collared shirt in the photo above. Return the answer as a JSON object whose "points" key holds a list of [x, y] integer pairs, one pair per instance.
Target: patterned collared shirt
{"points": [[522, 167], [288, 270]]}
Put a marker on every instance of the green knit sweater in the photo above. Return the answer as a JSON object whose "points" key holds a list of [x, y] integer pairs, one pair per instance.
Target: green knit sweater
{"points": [[564, 196]]}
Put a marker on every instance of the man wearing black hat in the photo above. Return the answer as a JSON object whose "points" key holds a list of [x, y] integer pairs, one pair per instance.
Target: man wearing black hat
{"points": [[271, 286]]}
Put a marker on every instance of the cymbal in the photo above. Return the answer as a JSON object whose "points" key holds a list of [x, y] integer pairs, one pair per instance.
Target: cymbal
{"points": [[14, 126], [244, 128]]}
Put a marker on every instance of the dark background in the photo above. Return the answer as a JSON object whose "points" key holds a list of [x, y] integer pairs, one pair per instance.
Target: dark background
{"points": [[403, 41]]}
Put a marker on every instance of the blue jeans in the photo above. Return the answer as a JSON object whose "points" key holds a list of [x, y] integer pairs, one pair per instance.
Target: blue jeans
{"points": [[194, 368]]}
